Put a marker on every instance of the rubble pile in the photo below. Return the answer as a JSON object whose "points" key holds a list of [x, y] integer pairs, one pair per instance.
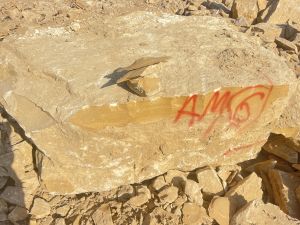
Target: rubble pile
{"points": [[155, 112]]}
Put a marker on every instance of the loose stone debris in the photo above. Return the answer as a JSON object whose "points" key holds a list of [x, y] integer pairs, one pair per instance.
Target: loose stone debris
{"points": [[257, 182]]}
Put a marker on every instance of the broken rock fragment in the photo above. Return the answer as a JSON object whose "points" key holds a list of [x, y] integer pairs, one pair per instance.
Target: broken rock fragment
{"points": [[284, 191], [279, 12], [40, 208], [245, 8], [209, 181], [193, 190], [285, 44], [256, 212], [168, 195], [245, 191], [278, 146], [102, 216], [221, 210], [194, 214]]}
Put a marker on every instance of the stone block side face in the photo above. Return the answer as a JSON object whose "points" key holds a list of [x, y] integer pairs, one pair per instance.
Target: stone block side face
{"points": [[151, 148], [213, 107]]}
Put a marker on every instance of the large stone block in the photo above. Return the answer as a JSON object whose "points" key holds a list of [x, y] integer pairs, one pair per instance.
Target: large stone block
{"points": [[220, 91]]}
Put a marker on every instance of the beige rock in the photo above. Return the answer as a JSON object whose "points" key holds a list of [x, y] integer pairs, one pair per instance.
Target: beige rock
{"points": [[102, 216], [176, 177], [158, 183], [209, 180], [138, 200], [193, 190], [125, 192], [96, 139], [284, 186], [60, 221], [63, 210], [40, 208], [192, 8], [220, 210], [277, 146], [224, 172], [285, 44], [194, 214], [245, 8], [279, 12], [168, 195], [245, 191], [145, 86], [262, 169], [256, 212], [268, 32], [158, 216]]}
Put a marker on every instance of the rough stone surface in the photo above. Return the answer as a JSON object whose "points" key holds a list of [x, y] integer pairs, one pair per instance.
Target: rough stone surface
{"points": [[256, 212], [193, 190], [193, 214], [95, 135], [284, 191], [220, 210], [245, 191], [102, 216], [212, 185], [280, 11], [40, 208], [168, 195], [286, 44], [245, 8], [277, 145]]}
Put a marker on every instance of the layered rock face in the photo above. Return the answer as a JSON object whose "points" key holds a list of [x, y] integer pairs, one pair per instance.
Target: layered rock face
{"points": [[219, 94]]}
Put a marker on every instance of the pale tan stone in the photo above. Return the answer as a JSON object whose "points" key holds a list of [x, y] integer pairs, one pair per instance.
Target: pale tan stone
{"points": [[158, 215], [40, 208], [193, 190], [96, 137], [277, 146], [286, 44], [193, 214], [221, 210], [168, 195], [284, 186], [245, 8], [125, 192], [209, 180], [138, 200], [102, 216], [176, 177], [225, 171], [279, 12], [63, 210], [245, 191], [268, 32], [60, 221], [145, 86], [256, 212], [158, 183]]}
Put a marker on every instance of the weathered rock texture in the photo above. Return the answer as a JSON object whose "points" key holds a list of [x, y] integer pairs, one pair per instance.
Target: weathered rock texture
{"points": [[220, 93]]}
